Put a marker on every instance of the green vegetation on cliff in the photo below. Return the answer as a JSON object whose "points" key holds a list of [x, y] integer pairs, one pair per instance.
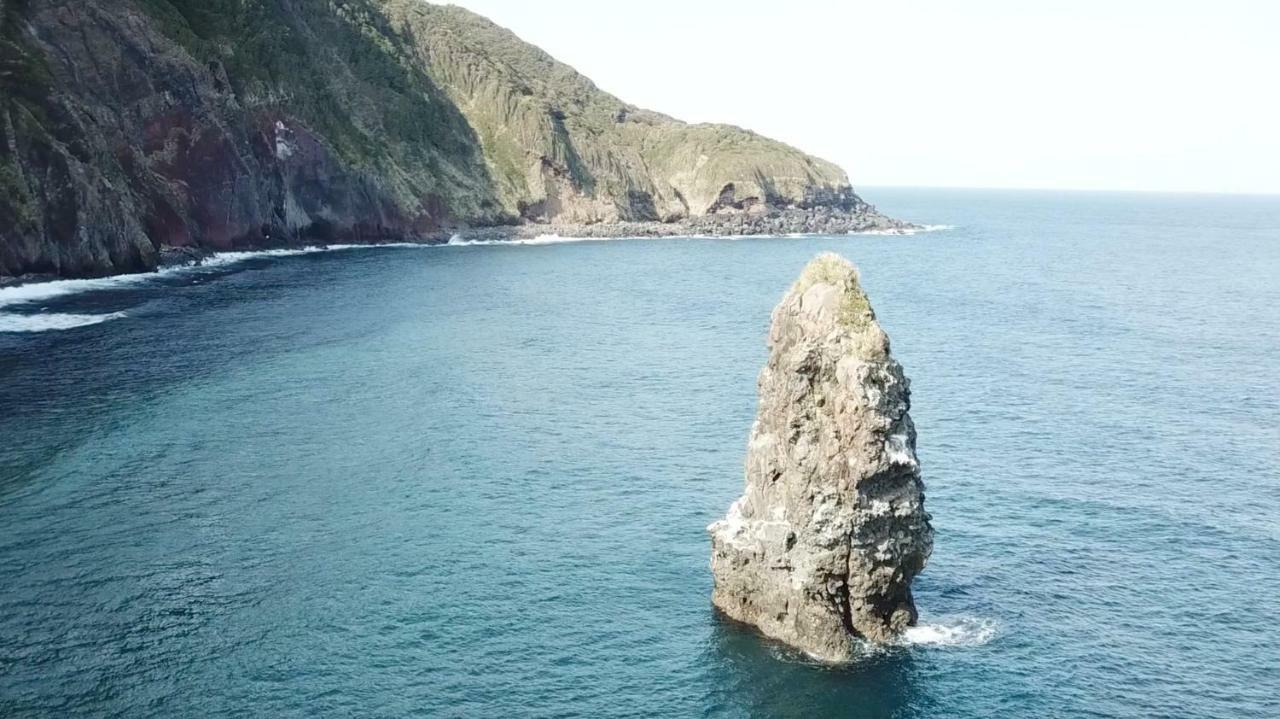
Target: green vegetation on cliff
{"points": [[339, 68], [128, 126], [25, 85], [560, 148]]}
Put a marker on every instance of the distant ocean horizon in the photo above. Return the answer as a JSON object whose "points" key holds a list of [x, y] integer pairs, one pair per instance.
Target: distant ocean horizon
{"points": [[896, 189], [475, 479]]}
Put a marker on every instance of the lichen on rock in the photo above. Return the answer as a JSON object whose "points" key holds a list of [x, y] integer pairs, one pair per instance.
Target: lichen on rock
{"points": [[821, 549]]}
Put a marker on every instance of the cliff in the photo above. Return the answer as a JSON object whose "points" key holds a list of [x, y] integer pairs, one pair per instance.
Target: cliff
{"points": [[821, 548], [128, 127]]}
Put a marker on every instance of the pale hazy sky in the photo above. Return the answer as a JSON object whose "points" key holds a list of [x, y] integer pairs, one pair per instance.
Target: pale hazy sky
{"points": [[1088, 94]]}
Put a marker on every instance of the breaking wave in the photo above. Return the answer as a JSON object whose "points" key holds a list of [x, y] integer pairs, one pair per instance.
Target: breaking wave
{"points": [[553, 239], [42, 323], [459, 241], [31, 293], [550, 239], [957, 632], [919, 229], [42, 291], [951, 632]]}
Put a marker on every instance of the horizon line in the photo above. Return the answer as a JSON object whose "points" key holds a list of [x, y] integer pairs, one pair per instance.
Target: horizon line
{"points": [[1232, 193]]}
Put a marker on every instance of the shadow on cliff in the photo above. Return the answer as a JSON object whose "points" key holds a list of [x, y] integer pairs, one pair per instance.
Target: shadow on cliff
{"points": [[356, 142], [755, 676]]}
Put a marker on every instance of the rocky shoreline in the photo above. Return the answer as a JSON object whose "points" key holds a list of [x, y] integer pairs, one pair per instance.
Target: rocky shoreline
{"points": [[813, 221], [790, 221]]}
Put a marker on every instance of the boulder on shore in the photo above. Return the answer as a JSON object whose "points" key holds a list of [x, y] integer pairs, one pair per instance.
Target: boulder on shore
{"points": [[821, 548]]}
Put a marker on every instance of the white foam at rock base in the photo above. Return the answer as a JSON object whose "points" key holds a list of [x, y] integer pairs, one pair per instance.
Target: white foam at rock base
{"points": [[907, 230], [959, 632], [553, 239], [458, 241]]}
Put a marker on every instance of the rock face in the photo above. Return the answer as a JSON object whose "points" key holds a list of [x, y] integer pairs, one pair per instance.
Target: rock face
{"points": [[128, 127], [822, 547]]}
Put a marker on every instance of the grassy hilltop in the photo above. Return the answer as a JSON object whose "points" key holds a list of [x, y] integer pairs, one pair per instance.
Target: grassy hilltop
{"points": [[131, 126]]}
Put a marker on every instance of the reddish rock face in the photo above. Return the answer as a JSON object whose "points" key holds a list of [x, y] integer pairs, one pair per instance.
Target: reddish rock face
{"points": [[139, 147]]}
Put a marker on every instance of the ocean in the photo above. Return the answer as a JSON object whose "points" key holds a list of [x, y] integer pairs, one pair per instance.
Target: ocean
{"points": [[472, 481]]}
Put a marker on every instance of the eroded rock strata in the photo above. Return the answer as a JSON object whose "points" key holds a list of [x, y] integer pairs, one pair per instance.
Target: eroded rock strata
{"points": [[132, 127], [822, 547]]}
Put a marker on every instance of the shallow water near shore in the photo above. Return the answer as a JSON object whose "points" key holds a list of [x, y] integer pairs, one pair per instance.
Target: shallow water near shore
{"points": [[474, 480]]}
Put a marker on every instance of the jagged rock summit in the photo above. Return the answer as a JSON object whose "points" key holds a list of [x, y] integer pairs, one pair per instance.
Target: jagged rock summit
{"points": [[821, 548]]}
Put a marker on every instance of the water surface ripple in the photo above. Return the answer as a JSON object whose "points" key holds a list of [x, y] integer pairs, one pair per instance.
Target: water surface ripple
{"points": [[473, 481]]}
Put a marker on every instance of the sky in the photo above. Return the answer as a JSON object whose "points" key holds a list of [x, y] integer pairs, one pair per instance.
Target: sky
{"points": [[1087, 94]]}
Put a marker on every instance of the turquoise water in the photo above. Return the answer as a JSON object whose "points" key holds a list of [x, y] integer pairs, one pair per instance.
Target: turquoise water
{"points": [[474, 481]]}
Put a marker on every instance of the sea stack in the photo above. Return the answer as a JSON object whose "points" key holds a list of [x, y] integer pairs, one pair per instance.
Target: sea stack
{"points": [[821, 548]]}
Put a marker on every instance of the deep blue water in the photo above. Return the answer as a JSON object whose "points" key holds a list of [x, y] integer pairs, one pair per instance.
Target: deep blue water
{"points": [[474, 481]]}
